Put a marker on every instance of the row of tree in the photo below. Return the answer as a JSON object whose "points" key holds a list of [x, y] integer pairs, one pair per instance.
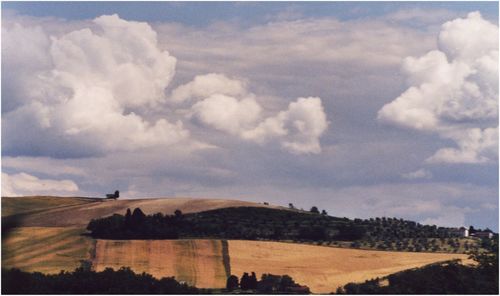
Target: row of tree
{"points": [[255, 223], [314, 209], [441, 278], [268, 284], [136, 225], [125, 281], [85, 281], [227, 223]]}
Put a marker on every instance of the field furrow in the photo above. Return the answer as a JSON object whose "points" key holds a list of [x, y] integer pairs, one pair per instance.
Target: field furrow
{"points": [[45, 249]]}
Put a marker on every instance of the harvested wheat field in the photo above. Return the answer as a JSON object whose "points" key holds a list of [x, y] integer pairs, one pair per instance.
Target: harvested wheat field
{"points": [[324, 269], [45, 249], [204, 263], [197, 262], [48, 247], [79, 211], [30, 204]]}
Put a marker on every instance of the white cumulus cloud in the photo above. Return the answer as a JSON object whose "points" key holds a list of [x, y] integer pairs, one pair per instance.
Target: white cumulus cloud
{"points": [[101, 89], [299, 127], [227, 113], [475, 145], [237, 112], [97, 84], [24, 184], [454, 91], [206, 85]]}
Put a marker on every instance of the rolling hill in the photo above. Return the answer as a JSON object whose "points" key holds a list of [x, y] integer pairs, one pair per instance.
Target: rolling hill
{"points": [[78, 211], [200, 262], [47, 237]]}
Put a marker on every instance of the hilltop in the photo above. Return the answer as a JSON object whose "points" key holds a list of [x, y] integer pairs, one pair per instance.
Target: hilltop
{"points": [[48, 235], [52, 211]]}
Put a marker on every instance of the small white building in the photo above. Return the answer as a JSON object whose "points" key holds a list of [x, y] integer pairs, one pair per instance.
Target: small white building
{"points": [[461, 232], [483, 234]]}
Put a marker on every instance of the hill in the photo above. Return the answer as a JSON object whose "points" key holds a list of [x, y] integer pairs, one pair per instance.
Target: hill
{"points": [[47, 236], [78, 211], [257, 223], [437, 278], [34, 204], [201, 262]]}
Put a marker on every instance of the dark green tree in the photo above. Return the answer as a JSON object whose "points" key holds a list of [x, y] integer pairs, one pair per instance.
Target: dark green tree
{"points": [[314, 210], [232, 283], [244, 282], [286, 283], [128, 219], [178, 214], [138, 216], [252, 281]]}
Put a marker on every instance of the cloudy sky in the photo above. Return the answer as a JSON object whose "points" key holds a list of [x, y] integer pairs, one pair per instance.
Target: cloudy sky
{"points": [[363, 109]]}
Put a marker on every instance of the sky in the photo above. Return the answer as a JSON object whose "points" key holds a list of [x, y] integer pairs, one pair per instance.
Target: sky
{"points": [[363, 109]]}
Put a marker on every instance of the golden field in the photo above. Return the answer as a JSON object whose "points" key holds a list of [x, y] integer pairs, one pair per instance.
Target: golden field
{"points": [[74, 211], [197, 262], [33, 204], [324, 269], [47, 238], [45, 249]]}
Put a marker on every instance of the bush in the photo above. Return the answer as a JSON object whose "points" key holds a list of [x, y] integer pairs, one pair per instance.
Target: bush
{"points": [[81, 281]]}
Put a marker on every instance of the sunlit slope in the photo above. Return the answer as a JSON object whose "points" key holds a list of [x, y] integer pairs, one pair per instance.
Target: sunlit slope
{"points": [[53, 242], [28, 204], [45, 249], [79, 211], [201, 262], [324, 269], [197, 262]]}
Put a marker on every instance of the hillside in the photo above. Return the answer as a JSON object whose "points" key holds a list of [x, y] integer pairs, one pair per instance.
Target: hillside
{"points": [[257, 223], [78, 211], [200, 262], [206, 263], [323, 269], [46, 249], [47, 237], [34, 204]]}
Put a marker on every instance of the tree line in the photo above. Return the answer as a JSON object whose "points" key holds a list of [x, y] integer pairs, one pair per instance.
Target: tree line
{"points": [[227, 223], [125, 281], [136, 225], [441, 278], [85, 281], [268, 284], [253, 223]]}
